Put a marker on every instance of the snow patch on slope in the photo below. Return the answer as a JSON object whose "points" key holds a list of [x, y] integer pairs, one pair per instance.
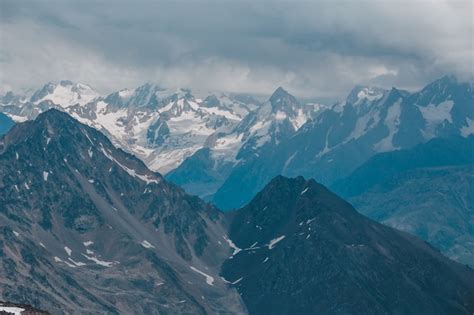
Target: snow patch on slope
{"points": [[392, 120], [98, 261], [66, 94], [11, 309], [209, 279], [468, 129], [233, 246], [146, 178], [146, 244], [274, 241], [434, 115], [305, 190]]}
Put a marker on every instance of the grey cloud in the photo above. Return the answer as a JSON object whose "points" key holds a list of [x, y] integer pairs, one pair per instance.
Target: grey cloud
{"points": [[314, 48]]}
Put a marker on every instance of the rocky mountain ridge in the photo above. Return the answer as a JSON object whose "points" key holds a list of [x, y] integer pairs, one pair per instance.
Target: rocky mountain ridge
{"points": [[206, 145], [85, 226], [340, 139], [303, 250]]}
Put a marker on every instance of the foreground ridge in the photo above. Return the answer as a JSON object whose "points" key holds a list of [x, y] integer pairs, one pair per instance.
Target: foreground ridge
{"points": [[306, 251]]}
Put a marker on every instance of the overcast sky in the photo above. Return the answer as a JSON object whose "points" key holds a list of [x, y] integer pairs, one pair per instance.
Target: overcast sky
{"points": [[313, 49]]}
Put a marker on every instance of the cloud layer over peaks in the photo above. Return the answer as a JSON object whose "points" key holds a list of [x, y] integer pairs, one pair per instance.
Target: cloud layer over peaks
{"points": [[319, 48]]}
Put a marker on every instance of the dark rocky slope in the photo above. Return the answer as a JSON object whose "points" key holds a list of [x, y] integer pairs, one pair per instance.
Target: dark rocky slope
{"points": [[306, 251], [87, 227]]}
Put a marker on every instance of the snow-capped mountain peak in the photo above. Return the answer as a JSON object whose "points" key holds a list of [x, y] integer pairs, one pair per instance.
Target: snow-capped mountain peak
{"points": [[361, 94], [144, 95], [65, 94], [161, 126]]}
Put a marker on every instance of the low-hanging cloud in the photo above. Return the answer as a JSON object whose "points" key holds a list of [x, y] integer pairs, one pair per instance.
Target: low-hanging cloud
{"points": [[314, 49]]}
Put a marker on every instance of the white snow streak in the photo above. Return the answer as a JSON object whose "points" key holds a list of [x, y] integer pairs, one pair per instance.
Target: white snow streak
{"points": [[98, 261], [233, 246], [434, 115], [392, 120], [237, 281], [469, 129], [146, 244], [146, 178], [274, 241], [11, 310], [209, 279], [57, 259]]}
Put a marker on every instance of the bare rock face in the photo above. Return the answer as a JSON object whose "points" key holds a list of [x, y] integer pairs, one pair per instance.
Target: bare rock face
{"points": [[85, 226], [303, 250]]}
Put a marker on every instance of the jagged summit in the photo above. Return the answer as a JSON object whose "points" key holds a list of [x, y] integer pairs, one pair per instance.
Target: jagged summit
{"points": [[447, 79], [361, 93], [283, 101], [65, 93], [58, 135], [278, 93]]}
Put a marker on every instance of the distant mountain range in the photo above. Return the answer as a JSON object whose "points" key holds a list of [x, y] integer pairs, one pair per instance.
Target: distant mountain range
{"points": [[226, 147], [87, 227], [160, 126], [427, 190], [208, 143], [340, 139], [272, 122]]}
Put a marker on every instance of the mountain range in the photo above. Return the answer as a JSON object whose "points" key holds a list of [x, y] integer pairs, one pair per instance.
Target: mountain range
{"points": [[160, 126], [218, 146], [340, 139], [207, 143], [86, 226]]}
